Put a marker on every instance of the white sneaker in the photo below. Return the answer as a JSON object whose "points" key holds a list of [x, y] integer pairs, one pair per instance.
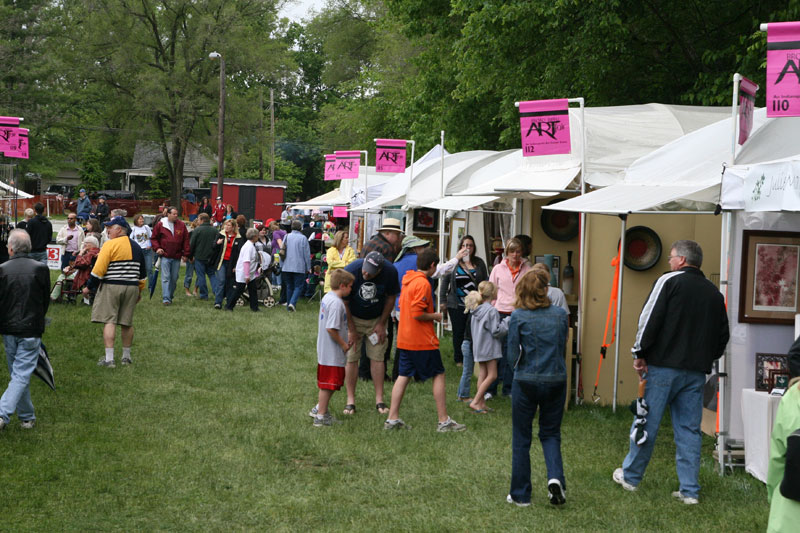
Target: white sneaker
{"points": [[509, 499], [619, 477], [3, 423], [450, 425], [395, 424], [488, 396], [290, 308], [313, 412], [678, 495], [27, 424]]}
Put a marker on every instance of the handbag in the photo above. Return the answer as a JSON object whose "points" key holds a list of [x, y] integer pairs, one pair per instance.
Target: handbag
{"points": [[282, 250]]}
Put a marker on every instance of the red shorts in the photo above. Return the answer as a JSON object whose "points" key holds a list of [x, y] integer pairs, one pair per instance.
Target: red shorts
{"points": [[330, 377]]}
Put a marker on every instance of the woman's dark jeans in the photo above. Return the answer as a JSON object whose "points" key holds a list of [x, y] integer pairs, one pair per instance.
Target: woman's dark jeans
{"points": [[526, 397]]}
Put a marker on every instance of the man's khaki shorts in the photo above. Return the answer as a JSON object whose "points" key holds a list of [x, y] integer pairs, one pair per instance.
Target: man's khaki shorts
{"points": [[114, 304], [375, 352]]}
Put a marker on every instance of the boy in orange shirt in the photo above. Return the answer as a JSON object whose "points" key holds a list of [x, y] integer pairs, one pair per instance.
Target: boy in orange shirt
{"points": [[417, 345]]}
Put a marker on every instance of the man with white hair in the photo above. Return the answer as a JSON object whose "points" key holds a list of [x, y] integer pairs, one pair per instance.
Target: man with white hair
{"points": [[24, 288], [120, 274]]}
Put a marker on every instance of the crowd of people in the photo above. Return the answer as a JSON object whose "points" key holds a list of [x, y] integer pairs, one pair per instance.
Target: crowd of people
{"points": [[508, 320]]}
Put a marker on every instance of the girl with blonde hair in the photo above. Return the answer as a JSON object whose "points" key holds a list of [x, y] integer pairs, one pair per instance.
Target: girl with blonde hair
{"points": [[488, 330]]}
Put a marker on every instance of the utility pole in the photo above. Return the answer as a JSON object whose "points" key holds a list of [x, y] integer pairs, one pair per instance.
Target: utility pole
{"points": [[272, 134], [261, 134], [221, 145]]}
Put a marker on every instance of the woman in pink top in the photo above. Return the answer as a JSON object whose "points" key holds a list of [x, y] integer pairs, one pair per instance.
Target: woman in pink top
{"points": [[505, 276]]}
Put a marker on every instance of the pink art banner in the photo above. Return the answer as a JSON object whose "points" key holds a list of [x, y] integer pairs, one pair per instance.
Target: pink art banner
{"points": [[390, 155], [17, 145], [348, 163], [544, 126], [339, 211], [9, 127], [747, 101], [783, 69], [330, 166]]}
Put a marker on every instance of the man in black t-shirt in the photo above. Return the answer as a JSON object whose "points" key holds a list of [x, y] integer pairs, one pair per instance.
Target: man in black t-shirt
{"points": [[369, 307]]}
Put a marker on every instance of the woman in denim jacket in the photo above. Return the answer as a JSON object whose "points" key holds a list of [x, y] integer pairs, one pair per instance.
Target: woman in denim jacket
{"points": [[537, 336]]}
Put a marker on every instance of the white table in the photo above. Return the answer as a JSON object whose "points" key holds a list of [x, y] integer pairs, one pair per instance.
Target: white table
{"points": [[758, 417]]}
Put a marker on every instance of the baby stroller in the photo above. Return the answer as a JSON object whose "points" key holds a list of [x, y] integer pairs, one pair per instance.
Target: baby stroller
{"points": [[263, 285]]}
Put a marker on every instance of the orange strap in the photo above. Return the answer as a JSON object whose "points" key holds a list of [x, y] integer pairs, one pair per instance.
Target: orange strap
{"points": [[611, 318]]}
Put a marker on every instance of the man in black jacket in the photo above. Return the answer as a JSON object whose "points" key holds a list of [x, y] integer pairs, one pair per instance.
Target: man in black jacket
{"points": [[201, 248], [41, 231], [683, 329], [24, 291]]}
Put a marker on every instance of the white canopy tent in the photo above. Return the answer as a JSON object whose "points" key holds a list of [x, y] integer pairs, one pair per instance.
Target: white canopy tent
{"points": [[688, 175], [343, 194], [7, 191]]}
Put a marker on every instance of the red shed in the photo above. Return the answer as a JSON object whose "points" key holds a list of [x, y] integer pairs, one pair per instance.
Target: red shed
{"points": [[255, 199]]}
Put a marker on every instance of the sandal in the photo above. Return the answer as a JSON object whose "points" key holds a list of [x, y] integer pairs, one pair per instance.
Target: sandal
{"points": [[349, 409], [382, 408]]}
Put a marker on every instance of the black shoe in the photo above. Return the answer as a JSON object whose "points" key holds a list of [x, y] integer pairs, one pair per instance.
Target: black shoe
{"points": [[556, 492]]}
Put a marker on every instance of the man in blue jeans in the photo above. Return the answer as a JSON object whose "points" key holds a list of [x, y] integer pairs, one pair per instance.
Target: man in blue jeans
{"points": [[170, 240], [683, 329], [24, 291], [296, 264], [201, 248]]}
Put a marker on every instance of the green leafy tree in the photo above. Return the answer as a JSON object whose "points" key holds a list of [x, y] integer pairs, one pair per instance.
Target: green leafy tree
{"points": [[153, 56], [93, 176]]}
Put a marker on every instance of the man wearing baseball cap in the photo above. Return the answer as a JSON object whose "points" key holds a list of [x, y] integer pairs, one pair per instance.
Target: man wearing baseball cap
{"points": [[368, 309], [386, 241], [119, 277], [218, 214]]}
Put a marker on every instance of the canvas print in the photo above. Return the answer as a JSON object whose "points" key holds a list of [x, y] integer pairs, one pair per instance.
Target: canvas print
{"points": [[775, 287], [769, 277]]}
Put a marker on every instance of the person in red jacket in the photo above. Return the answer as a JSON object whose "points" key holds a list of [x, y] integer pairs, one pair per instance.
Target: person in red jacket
{"points": [[170, 240], [219, 212]]}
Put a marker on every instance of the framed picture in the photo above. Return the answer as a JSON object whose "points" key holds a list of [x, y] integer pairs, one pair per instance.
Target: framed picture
{"points": [[778, 378], [458, 228], [768, 365], [426, 220], [555, 277], [768, 289]]}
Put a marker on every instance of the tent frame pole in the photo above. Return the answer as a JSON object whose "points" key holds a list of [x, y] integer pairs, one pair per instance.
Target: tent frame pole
{"points": [[624, 226], [440, 325], [725, 249], [582, 261], [409, 211]]}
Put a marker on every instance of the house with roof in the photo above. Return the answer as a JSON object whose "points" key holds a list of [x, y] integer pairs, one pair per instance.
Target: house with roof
{"points": [[147, 156]]}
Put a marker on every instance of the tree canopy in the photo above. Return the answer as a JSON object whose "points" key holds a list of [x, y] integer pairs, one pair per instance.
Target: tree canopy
{"points": [[93, 77]]}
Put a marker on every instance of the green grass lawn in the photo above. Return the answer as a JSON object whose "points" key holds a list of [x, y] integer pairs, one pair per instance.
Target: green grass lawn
{"points": [[208, 431]]}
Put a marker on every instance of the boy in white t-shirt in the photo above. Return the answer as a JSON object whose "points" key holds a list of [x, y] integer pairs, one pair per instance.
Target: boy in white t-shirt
{"points": [[332, 344]]}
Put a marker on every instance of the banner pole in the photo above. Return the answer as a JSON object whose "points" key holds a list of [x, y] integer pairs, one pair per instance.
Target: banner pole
{"points": [[409, 225]]}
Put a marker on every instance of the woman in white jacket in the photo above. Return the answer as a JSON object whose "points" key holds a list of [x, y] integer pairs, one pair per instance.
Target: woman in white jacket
{"points": [[246, 272]]}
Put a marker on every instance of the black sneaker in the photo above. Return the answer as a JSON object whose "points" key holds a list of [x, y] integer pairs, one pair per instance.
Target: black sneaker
{"points": [[556, 492]]}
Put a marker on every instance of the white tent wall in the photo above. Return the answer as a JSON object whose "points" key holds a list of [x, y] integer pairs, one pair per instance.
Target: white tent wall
{"points": [[749, 339], [602, 237]]}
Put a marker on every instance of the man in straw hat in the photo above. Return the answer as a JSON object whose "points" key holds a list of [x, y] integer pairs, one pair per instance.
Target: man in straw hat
{"points": [[386, 242]]}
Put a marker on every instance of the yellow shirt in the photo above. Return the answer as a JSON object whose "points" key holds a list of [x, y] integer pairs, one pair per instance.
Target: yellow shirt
{"points": [[335, 260]]}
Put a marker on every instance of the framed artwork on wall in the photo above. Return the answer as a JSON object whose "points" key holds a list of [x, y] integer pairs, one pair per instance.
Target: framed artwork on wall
{"points": [[458, 228], [769, 281], [769, 365], [426, 220]]}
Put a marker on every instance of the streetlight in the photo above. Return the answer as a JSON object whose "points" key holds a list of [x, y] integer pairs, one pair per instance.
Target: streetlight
{"points": [[221, 145]]}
